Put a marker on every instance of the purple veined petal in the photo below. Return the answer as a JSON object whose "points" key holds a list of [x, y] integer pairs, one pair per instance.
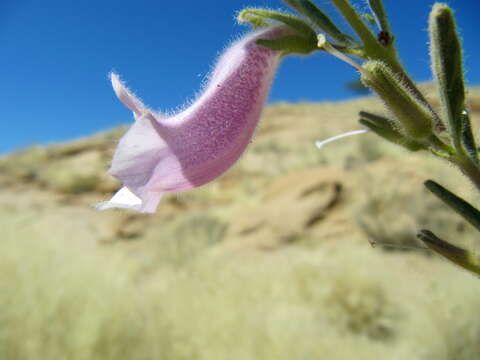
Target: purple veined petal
{"points": [[161, 154]]}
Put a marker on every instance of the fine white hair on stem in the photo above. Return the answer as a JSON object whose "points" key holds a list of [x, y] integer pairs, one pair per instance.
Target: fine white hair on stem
{"points": [[321, 143]]}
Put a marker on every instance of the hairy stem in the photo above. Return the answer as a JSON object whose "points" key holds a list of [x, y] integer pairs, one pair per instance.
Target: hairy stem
{"points": [[469, 169], [374, 50]]}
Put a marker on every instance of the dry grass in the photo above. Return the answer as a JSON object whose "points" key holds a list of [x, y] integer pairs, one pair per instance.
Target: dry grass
{"points": [[340, 301]]}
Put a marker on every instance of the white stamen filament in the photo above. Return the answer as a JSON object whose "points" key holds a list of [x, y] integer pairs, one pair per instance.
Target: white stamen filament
{"points": [[321, 143], [324, 44]]}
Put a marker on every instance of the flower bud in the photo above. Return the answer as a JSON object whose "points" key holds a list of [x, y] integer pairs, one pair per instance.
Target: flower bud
{"points": [[447, 68], [412, 116]]}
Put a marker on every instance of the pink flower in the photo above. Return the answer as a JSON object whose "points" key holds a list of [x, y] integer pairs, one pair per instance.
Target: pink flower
{"points": [[161, 154]]}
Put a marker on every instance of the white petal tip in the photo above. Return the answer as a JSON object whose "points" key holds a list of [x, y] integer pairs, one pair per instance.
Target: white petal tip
{"points": [[126, 96], [123, 199], [106, 205], [117, 84]]}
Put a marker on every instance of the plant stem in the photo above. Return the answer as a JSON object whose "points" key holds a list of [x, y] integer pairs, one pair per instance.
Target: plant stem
{"points": [[374, 50], [469, 169], [356, 22]]}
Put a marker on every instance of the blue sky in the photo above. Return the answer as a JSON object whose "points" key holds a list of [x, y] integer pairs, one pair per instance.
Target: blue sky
{"points": [[56, 55]]}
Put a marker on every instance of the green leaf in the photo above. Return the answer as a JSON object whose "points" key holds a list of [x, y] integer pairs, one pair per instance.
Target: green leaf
{"points": [[447, 66], [380, 121], [467, 211], [320, 19], [376, 6], [372, 46], [263, 17], [385, 128], [459, 256], [303, 42], [290, 44], [467, 139]]}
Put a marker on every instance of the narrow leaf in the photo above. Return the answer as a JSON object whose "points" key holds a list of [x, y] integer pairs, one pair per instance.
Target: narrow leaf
{"points": [[467, 211], [468, 141], [263, 17], [290, 44], [320, 19], [358, 25], [459, 256], [385, 128], [376, 6], [381, 121], [447, 67]]}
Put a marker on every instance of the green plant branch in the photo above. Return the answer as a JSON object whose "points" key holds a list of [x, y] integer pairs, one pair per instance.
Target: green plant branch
{"points": [[414, 124], [468, 168], [370, 42], [374, 50]]}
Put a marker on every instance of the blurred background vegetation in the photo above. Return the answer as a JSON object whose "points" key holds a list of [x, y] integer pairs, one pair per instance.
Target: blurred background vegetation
{"points": [[270, 262]]}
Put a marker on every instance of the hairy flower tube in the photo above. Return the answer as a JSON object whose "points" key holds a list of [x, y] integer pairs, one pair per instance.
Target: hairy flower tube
{"points": [[161, 154]]}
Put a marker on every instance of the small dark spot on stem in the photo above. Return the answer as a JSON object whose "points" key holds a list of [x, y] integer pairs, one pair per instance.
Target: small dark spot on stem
{"points": [[384, 38]]}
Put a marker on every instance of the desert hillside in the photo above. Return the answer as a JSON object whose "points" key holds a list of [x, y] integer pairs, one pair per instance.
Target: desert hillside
{"points": [[274, 260]]}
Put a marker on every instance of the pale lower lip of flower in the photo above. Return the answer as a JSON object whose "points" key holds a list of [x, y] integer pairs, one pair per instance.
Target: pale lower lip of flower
{"points": [[171, 154], [321, 143], [124, 198]]}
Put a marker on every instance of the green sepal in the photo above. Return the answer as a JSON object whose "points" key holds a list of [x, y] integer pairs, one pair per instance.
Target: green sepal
{"points": [[447, 67], [290, 44], [256, 21], [308, 9], [384, 127], [467, 139], [412, 116], [463, 208], [378, 11], [463, 258], [263, 18], [378, 120]]}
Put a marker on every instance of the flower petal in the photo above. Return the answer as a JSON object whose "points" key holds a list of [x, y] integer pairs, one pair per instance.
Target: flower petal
{"points": [[126, 97], [195, 146], [125, 199]]}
